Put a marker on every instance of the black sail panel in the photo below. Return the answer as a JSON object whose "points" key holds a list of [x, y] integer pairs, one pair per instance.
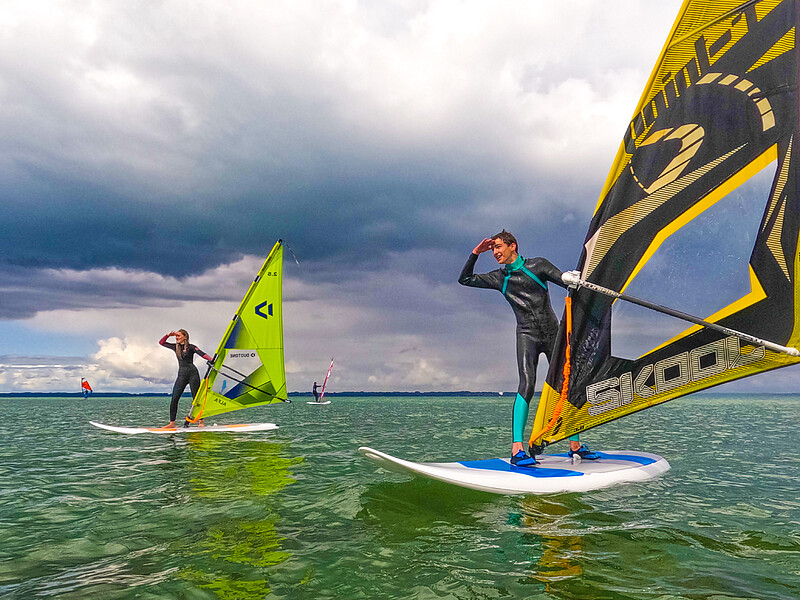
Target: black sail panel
{"points": [[720, 106]]}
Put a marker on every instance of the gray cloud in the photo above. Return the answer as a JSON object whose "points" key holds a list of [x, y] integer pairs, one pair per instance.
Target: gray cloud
{"points": [[173, 140], [151, 152]]}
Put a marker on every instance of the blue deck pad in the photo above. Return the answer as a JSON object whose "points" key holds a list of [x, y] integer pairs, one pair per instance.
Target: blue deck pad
{"points": [[498, 464], [642, 460]]}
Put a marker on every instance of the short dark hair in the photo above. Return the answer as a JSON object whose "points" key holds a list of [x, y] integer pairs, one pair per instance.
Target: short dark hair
{"points": [[507, 238]]}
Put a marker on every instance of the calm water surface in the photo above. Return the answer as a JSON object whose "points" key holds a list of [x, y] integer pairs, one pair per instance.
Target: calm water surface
{"points": [[296, 513]]}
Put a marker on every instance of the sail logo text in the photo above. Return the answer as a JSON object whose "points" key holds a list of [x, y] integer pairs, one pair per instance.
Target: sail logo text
{"points": [[676, 82], [669, 373], [241, 355]]}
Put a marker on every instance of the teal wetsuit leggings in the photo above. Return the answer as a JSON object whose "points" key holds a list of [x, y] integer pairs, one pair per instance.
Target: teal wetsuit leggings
{"points": [[529, 348]]}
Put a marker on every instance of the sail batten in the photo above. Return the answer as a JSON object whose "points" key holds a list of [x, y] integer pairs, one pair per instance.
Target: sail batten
{"points": [[721, 105]]}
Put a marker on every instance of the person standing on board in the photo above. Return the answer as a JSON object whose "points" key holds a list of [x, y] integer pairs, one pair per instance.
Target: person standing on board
{"points": [[187, 372], [316, 393], [523, 282]]}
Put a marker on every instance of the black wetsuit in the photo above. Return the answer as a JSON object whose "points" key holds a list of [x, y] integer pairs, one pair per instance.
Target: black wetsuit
{"points": [[187, 375], [316, 393], [524, 285]]}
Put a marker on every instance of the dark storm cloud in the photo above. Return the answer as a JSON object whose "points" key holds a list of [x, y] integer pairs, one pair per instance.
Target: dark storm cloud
{"points": [[170, 139], [172, 142], [26, 291], [357, 211], [335, 225]]}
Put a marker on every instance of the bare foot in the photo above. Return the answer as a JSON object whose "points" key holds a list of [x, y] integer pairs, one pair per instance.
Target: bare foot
{"points": [[201, 423], [171, 424]]}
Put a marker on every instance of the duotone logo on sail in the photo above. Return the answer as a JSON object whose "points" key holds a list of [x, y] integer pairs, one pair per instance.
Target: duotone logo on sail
{"points": [[266, 305]]}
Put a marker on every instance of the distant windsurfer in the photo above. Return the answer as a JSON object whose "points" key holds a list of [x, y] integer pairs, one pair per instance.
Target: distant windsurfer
{"points": [[187, 372], [86, 389], [316, 393], [523, 283]]}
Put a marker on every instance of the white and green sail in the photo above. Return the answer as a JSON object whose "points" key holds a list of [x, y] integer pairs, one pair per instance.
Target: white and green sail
{"points": [[248, 367]]}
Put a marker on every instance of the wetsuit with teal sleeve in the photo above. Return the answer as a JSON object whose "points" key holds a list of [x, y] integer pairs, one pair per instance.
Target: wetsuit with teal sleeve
{"points": [[524, 285], [187, 374]]}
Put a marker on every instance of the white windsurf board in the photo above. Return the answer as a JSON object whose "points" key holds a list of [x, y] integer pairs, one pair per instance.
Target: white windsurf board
{"points": [[555, 473], [326, 402], [234, 428]]}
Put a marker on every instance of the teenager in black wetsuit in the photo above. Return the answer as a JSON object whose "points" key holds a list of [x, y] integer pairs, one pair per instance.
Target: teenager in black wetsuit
{"points": [[523, 282], [187, 372]]}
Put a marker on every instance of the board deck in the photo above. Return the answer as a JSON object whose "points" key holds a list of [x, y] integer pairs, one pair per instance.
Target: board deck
{"points": [[326, 402], [556, 473], [234, 428]]}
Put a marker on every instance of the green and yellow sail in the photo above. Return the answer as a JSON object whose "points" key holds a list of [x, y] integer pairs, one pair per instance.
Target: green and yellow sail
{"points": [[721, 104], [248, 367]]}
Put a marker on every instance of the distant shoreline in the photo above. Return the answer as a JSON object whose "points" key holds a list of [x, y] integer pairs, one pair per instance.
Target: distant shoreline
{"points": [[343, 394], [291, 394]]}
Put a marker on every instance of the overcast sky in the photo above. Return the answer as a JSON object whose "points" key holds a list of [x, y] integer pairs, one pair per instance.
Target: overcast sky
{"points": [[152, 153]]}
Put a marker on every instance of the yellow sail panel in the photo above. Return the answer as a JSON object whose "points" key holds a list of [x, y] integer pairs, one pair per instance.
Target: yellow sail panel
{"points": [[248, 367], [785, 44], [720, 105]]}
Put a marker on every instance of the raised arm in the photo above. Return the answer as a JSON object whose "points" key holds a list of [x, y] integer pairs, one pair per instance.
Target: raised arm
{"points": [[163, 341], [492, 280]]}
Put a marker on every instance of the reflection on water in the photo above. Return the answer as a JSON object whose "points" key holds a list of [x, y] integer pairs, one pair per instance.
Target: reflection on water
{"points": [[227, 469], [240, 537], [561, 547]]}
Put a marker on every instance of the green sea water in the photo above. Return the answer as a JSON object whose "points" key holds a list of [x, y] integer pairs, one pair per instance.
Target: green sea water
{"points": [[297, 513]]}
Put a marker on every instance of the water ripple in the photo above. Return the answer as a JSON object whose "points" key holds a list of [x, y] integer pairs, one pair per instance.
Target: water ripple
{"points": [[297, 513]]}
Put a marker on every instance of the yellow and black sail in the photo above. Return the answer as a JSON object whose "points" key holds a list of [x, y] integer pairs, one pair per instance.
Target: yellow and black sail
{"points": [[721, 105]]}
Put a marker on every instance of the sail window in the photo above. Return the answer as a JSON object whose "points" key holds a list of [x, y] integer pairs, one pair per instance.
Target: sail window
{"points": [[700, 269]]}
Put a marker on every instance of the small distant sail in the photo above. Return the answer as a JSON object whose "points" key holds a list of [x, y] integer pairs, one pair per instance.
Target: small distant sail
{"points": [[721, 105], [86, 388], [325, 382], [248, 367]]}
